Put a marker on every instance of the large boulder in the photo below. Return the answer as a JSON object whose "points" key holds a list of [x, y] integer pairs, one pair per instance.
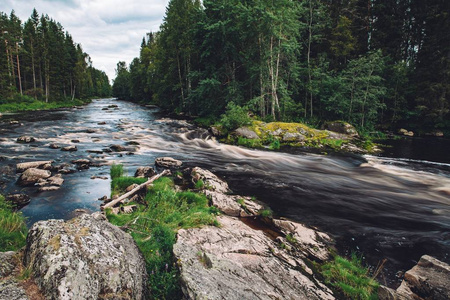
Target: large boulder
{"points": [[85, 258], [429, 279], [342, 127], [168, 162], [246, 132], [238, 262], [33, 164], [32, 176], [233, 205]]}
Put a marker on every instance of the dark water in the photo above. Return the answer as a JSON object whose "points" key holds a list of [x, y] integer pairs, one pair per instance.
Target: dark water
{"points": [[384, 207]]}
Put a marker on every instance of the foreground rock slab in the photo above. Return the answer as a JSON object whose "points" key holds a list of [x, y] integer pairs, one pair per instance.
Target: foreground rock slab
{"points": [[429, 279], [85, 258], [32, 176], [238, 262]]}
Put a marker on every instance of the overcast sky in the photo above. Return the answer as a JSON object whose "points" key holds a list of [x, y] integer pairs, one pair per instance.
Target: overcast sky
{"points": [[108, 30]]}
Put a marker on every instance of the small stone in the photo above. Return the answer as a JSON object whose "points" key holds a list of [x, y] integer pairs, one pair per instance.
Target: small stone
{"points": [[54, 146], [75, 141], [48, 188], [168, 162], [70, 148], [26, 139], [143, 172], [33, 175], [117, 148], [101, 123]]}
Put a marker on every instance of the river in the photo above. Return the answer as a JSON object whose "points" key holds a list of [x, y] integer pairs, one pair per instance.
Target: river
{"points": [[384, 207]]}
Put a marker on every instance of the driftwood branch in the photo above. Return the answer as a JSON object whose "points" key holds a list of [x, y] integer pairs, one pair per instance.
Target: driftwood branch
{"points": [[135, 190]]}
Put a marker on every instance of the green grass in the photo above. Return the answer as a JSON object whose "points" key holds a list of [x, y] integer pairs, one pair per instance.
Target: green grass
{"points": [[26, 103], [249, 143], [199, 184], [266, 213], [116, 171], [13, 230], [154, 225], [350, 277], [119, 184]]}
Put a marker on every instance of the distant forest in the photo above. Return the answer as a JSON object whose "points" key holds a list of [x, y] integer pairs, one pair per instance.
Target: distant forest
{"points": [[40, 60], [379, 64]]}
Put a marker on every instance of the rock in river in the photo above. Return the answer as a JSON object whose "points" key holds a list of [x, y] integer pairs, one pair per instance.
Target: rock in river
{"points": [[143, 172], [85, 258], [26, 139], [18, 200], [33, 175], [168, 162], [33, 164], [69, 148]]}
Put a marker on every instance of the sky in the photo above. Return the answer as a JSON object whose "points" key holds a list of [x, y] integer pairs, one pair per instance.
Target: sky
{"points": [[108, 30]]}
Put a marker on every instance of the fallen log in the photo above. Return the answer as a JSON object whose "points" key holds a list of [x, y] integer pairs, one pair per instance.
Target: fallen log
{"points": [[135, 190]]}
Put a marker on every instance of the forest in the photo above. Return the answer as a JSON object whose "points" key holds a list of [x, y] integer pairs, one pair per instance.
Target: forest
{"points": [[376, 64], [40, 61]]}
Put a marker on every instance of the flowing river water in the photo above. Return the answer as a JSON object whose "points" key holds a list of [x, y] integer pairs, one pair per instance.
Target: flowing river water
{"points": [[384, 207]]}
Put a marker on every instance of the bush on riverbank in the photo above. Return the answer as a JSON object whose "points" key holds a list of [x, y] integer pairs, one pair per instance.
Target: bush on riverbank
{"points": [[27, 103], [154, 225], [350, 277], [13, 230]]}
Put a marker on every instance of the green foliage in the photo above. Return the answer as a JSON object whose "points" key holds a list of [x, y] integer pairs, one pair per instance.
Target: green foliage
{"points": [[234, 117], [25, 103], [266, 213], [199, 184], [291, 239], [153, 226], [249, 143], [116, 171], [13, 230], [275, 145], [350, 277]]}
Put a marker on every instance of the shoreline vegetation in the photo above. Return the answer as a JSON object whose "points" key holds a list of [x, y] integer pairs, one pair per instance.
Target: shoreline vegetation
{"points": [[26, 103], [13, 229]]}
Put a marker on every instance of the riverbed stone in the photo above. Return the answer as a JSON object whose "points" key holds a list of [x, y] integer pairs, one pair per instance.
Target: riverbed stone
{"points": [[26, 139], [18, 200], [168, 162], [54, 146], [85, 258], [117, 148], [10, 289], [32, 176], [70, 148], [341, 127], [238, 262], [21, 167]]}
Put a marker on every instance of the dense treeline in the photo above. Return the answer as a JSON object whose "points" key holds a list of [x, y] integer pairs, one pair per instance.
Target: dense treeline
{"points": [[373, 63], [40, 60]]}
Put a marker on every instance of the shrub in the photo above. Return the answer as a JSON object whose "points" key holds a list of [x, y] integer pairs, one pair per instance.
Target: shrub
{"points": [[235, 117], [116, 171]]}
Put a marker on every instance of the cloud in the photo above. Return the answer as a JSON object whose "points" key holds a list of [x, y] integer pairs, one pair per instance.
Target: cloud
{"points": [[108, 30]]}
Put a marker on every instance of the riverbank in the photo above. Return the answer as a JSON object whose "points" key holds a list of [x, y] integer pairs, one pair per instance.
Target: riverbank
{"points": [[30, 104]]}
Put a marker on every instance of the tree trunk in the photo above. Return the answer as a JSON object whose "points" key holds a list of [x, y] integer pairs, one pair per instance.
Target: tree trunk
{"points": [[18, 69], [34, 71], [181, 80], [309, 58]]}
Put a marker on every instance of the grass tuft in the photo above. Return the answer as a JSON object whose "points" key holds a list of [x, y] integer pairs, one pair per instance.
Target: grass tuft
{"points": [[13, 230], [350, 277], [116, 171]]}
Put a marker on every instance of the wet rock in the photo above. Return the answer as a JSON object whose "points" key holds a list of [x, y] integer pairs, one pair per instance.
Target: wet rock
{"points": [[18, 200], [105, 108], [235, 206], [405, 132], [56, 180], [66, 171], [133, 143], [54, 146], [144, 172], [168, 162], [75, 141], [101, 123], [21, 167], [210, 180], [85, 258], [342, 127], [95, 151], [48, 188], [26, 139], [245, 132], [99, 177], [81, 211], [216, 131], [429, 279], [238, 262], [131, 187], [113, 106], [70, 148], [117, 148], [104, 198], [14, 122], [91, 131], [82, 161], [10, 289], [32, 176]]}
